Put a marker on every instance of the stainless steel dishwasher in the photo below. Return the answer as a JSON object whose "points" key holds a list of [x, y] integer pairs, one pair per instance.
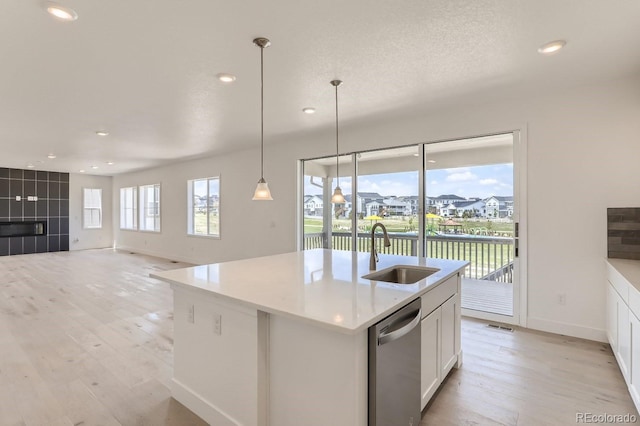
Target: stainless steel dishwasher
{"points": [[394, 368]]}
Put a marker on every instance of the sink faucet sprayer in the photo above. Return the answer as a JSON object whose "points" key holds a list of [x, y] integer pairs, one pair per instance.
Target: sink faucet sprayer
{"points": [[387, 243]]}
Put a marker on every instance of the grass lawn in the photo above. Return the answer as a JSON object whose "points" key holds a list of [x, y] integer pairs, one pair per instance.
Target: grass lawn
{"points": [[410, 224]]}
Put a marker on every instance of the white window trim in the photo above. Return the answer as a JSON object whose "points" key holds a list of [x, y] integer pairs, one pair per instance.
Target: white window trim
{"points": [[84, 208], [190, 209], [134, 207], [142, 210]]}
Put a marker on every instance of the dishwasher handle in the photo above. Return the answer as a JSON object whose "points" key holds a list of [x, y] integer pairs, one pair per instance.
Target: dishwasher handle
{"points": [[387, 337]]}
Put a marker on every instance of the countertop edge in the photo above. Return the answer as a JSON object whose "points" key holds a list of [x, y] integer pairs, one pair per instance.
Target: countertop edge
{"points": [[628, 268], [312, 321]]}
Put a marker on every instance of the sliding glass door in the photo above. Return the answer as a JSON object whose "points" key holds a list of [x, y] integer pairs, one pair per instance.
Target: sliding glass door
{"points": [[451, 200]]}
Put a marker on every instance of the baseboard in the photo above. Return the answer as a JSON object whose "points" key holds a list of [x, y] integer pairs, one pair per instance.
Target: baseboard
{"points": [[566, 329], [156, 254], [205, 410]]}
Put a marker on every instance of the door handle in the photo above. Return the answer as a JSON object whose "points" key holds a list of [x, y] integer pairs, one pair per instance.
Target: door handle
{"points": [[385, 337]]}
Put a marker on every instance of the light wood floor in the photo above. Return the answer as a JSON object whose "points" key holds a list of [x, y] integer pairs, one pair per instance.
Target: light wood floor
{"points": [[527, 377], [86, 339]]}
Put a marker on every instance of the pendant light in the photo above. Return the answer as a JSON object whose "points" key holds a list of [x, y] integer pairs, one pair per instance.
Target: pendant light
{"points": [[262, 192], [337, 197]]}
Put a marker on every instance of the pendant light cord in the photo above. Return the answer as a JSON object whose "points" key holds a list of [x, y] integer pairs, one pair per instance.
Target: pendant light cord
{"points": [[337, 155], [261, 112]]}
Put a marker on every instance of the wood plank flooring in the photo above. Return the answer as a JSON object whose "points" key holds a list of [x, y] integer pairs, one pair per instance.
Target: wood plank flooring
{"points": [[527, 377], [86, 339]]}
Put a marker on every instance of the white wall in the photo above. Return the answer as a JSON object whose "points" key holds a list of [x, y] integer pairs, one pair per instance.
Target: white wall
{"points": [[79, 238], [583, 155]]}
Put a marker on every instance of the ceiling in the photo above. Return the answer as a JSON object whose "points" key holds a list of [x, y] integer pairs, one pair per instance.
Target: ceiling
{"points": [[145, 70]]}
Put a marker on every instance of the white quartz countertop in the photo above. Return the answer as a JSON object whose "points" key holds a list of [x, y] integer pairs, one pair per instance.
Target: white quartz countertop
{"points": [[320, 286], [629, 269]]}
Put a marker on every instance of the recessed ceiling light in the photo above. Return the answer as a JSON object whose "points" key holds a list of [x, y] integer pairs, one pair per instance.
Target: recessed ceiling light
{"points": [[81, 171], [30, 166], [309, 110], [226, 78], [110, 163], [102, 133], [431, 161], [551, 47], [94, 167], [62, 13], [51, 156], [416, 155]]}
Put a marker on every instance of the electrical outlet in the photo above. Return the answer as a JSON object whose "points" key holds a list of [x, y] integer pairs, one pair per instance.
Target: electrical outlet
{"points": [[191, 314], [562, 298], [217, 324]]}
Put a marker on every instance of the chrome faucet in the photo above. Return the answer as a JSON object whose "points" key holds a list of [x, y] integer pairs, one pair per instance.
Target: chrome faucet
{"points": [[387, 243]]}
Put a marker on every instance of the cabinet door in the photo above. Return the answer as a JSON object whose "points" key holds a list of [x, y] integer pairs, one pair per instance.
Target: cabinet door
{"points": [[623, 353], [449, 350], [430, 356], [634, 387], [612, 317]]}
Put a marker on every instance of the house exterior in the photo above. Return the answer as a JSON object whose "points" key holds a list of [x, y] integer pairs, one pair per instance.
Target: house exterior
{"points": [[471, 208], [388, 207], [313, 205], [499, 207]]}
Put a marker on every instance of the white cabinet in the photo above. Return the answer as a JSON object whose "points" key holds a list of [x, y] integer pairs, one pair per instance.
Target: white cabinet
{"points": [[440, 331], [450, 335], [623, 352], [634, 385], [430, 354], [612, 317], [619, 329], [623, 326]]}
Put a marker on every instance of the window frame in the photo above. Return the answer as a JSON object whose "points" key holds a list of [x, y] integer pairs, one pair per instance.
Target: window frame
{"points": [[85, 208], [144, 209], [133, 208], [191, 211]]}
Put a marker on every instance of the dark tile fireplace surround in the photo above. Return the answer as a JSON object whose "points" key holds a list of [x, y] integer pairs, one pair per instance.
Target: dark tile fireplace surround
{"points": [[39, 222]]}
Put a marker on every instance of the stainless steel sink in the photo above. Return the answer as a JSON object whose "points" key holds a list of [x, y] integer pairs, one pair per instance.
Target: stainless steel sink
{"points": [[401, 274]]}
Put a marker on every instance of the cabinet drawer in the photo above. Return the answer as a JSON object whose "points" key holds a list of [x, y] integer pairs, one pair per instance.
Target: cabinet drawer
{"points": [[618, 282], [438, 295]]}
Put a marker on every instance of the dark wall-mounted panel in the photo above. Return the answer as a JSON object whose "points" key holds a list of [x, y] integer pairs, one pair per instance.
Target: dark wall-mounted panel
{"points": [[623, 233], [51, 206]]}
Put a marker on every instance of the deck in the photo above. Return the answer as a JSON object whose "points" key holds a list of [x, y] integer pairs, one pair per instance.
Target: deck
{"points": [[487, 296]]}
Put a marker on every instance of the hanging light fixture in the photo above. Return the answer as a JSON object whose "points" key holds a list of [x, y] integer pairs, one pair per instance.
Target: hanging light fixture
{"points": [[337, 197], [262, 190]]}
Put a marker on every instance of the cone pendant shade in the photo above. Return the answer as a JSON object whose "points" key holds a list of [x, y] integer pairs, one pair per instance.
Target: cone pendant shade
{"points": [[337, 197], [262, 192]]}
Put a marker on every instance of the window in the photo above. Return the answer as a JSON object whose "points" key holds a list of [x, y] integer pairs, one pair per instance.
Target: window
{"points": [[128, 208], [92, 202], [204, 207], [150, 208]]}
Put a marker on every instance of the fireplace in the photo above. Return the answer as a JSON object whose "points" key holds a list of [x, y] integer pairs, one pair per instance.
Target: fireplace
{"points": [[23, 228]]}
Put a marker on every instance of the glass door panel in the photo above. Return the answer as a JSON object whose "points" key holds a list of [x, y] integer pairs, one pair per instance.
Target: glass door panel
{"points": [[388, 188], [469, 206], [326, 225]]}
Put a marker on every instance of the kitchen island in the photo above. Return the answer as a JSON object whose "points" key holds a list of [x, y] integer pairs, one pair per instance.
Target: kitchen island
{"points": [[282, 340]]}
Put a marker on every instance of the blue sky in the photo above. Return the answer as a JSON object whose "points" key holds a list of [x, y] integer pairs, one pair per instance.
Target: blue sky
{"points": [[476, 181]]}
